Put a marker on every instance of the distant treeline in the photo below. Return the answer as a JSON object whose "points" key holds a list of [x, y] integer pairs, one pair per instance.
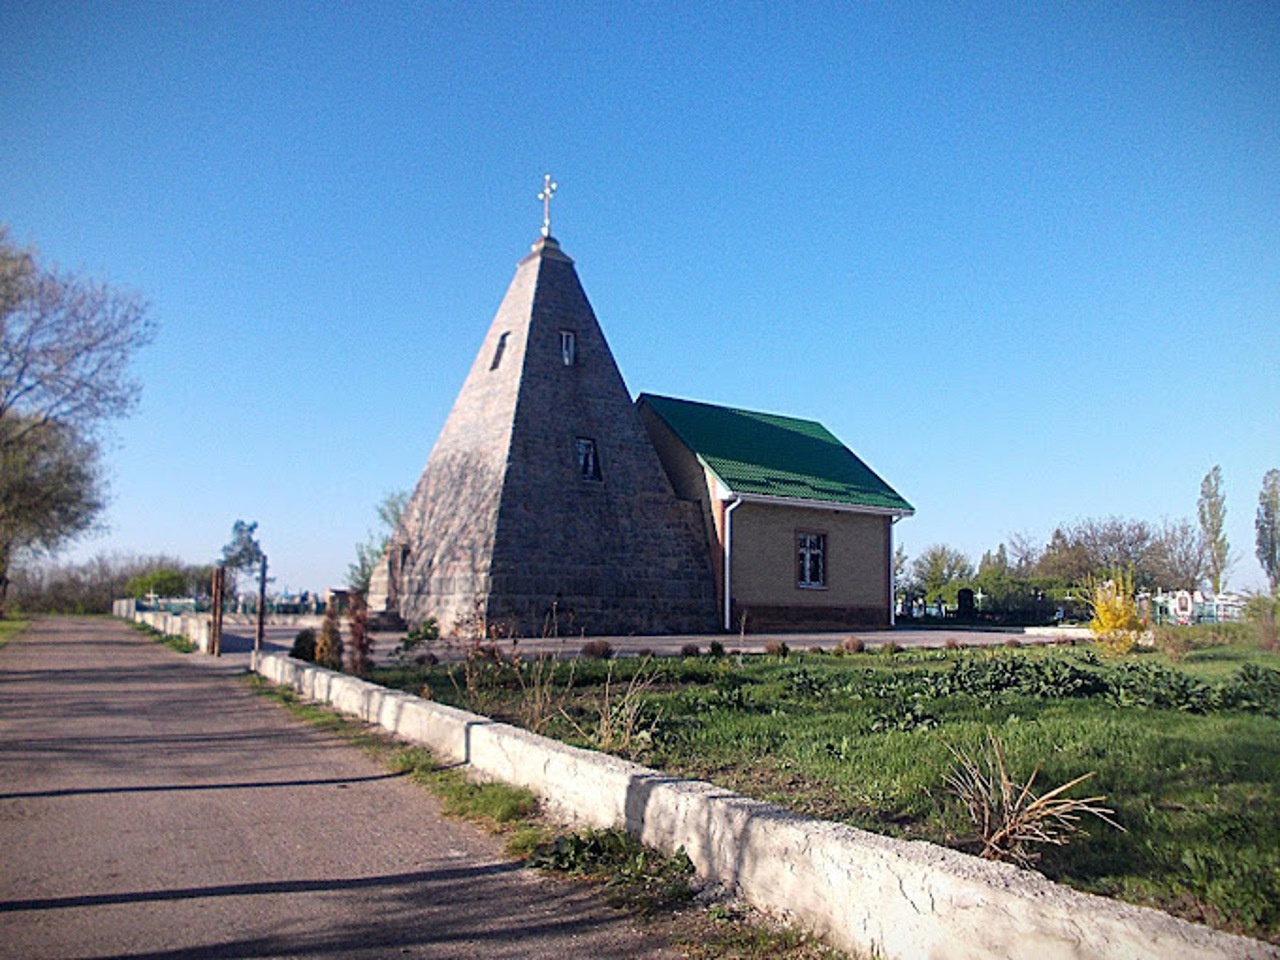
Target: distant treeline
{"points": [[90, 586]]}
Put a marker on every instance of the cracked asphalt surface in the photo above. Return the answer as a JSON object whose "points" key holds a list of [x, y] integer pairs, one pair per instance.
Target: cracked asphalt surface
{"points": [[152, 806]]}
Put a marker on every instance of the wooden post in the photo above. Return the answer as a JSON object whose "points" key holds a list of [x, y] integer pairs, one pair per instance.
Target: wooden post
{"points": [[262, 608], [217, 588]]}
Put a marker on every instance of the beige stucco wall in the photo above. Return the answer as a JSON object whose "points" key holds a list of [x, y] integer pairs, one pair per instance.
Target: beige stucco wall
{"points": [[764, 557]]}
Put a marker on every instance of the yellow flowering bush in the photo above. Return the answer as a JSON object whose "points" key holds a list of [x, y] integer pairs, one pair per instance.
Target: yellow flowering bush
{"points": [[1115, 622]]}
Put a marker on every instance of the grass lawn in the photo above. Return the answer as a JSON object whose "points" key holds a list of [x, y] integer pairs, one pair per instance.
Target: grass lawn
{"points": [[1187, 754]]}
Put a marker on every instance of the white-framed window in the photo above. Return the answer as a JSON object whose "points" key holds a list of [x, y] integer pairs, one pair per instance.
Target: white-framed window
{"points": [[568, 347], [811, 560], [588, 460]]}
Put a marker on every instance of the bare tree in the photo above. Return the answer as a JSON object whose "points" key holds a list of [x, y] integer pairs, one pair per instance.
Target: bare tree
{"points": [[1212, 511], [65, 347], [1024, 554], [1178, 556], [1267, 525]]}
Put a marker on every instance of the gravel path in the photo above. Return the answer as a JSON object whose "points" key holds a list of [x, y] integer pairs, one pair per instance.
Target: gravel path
{"points": [[151, 806]]}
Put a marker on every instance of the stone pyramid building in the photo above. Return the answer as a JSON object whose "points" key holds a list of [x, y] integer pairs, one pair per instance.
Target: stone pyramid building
{"points": [[543, 506]]}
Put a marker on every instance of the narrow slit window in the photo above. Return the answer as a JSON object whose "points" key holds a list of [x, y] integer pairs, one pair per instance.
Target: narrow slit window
{"points": [[568, 347], [588, 460], [811, 560], [497, 352]]}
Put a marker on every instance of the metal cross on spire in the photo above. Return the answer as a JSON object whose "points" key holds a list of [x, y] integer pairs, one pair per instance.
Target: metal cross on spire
{"points": [[548, 189]]}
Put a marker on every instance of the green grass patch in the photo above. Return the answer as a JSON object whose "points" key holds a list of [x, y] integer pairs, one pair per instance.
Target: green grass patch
{"points": [[1186, 750], [176, 644], [11, 628]]}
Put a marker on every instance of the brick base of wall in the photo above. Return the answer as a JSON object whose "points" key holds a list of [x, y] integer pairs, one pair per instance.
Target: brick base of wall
{"points": [[799, 619]]}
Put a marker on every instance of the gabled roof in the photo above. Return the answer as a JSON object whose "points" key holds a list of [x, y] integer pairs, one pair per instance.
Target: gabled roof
{"points": [[767, 455]]}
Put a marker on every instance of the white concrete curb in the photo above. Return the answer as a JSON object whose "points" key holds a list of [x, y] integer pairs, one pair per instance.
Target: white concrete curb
{"points": [[196, 627], [858, 890]]}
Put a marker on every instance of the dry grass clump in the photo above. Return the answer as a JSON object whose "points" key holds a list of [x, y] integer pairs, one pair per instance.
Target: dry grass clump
{"points": [[852, 645], [776, 648], [1010, 818], [690, 650]]}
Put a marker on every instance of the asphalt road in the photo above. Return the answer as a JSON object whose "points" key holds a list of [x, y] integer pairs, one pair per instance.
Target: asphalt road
{"points": [[152, 806]]}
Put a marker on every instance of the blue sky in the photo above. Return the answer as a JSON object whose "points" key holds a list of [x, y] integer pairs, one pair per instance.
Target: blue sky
{"points": [[1024, 259]]}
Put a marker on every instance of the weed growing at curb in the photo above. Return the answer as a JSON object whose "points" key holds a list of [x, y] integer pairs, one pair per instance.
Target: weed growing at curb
{"points": [[176, 644]]}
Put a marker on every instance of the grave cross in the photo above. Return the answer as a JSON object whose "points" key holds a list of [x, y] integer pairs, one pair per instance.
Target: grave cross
{"points": [[548, 189]]}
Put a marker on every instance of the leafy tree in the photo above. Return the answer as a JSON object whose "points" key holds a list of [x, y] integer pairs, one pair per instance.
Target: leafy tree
{"points": [[1065, 558], [242, 552], [65, 347], [994, 565], [938, 565], [1212, 511], [390, 509], [1267, 526], [50, 489], [163, 583]]}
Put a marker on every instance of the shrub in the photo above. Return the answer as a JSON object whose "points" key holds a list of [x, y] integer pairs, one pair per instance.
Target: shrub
{"points": [[852, 645], [596, 650], [1115, 622], [360, 649], [816, 649], [953, 644], [690, 650], [890, 648], [776, 648], [304, 645], [329, 642], [411, 647], [716, 649], [1013, 643]]}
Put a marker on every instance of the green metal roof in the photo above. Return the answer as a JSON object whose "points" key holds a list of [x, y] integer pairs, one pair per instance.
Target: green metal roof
{"points": [[763, 454]]}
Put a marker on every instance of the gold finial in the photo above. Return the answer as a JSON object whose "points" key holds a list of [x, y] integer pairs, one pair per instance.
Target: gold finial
{"points": [[548, 189]]}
